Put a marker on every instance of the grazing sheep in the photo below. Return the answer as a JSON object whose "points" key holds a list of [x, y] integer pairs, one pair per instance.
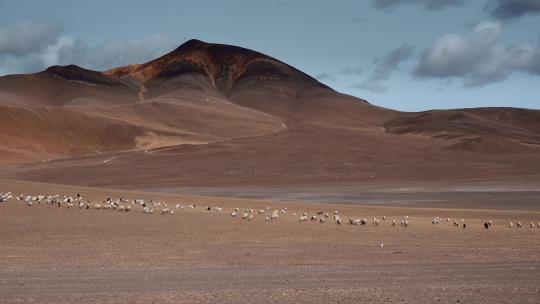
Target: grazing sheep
{"points": [[245, 215], [171, 212], [338, 219], [314, 217], [326, 215], [363, 221], [518, 224], [393, 222], [97, 206], [384, 218], [335, 212], [375, 221], [321, 220], [355, 221], [165, 211], [250, 217], [275, 215], [267, 218], [303, 218], [233, 214], [486, 225], [532, 225], [490, 222], [511, 225]]}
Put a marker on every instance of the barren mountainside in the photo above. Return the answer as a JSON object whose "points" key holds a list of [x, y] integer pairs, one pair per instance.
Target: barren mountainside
{"points": [[215, 113]]}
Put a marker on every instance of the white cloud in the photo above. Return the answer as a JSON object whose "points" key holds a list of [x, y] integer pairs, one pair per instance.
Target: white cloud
{"points": [[477, 57]]}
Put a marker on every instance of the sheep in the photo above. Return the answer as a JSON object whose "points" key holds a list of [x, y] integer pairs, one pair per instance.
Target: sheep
{"points": [[363, 221], [303, 218], [355, 221], [538, 225], [250, 217], [338, 219], [233, 214], [335, 212], [275, 215], [375, 221], [261, 211], [321, 220], [518, 224], [490, 222], [531, 225], [393, 222], [97, 206], [165, 211], [245, 215], [326, 215], [267, 218], [511, 225], [128, 208], [384, 218], [314, 217], [486, 225]]}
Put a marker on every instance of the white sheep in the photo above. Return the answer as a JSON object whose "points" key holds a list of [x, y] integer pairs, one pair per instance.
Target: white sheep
{"points": [[275, 215], [518, 224], [165, 210], [97, 206], [233, 214], [511, 225], [303, 218]]}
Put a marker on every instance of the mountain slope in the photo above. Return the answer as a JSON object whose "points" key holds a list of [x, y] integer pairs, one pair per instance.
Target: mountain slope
{"points": [[218, 114]]}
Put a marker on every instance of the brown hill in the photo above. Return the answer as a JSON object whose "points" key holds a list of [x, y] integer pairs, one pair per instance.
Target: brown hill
{"points": [[219, 114]]}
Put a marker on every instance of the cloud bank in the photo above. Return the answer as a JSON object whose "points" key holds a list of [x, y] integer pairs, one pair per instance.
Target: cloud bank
{"points": [[511, 9], [477, 57], [32, 47]]}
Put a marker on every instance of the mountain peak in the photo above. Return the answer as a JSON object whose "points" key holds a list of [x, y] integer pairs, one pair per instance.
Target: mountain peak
{"points": [[190, 45]]}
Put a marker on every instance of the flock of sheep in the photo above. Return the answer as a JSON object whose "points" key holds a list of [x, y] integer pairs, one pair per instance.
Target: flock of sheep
{"points": [[269, 214]]}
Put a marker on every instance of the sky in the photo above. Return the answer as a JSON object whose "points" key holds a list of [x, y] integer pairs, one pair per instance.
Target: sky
{"points": [[410, 55]]}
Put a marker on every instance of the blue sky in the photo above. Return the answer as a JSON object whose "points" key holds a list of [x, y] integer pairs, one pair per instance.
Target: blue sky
{"points": [[405, 54]]}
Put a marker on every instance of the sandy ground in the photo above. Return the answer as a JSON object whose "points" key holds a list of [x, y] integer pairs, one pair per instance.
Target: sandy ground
{"points": [[59, 255]]}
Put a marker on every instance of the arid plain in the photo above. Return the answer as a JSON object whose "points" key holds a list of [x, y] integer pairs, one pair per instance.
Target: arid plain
{"points": [[224, 127]]}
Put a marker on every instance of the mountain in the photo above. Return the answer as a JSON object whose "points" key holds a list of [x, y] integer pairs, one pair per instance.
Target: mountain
{"points": [[218, 114]]}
